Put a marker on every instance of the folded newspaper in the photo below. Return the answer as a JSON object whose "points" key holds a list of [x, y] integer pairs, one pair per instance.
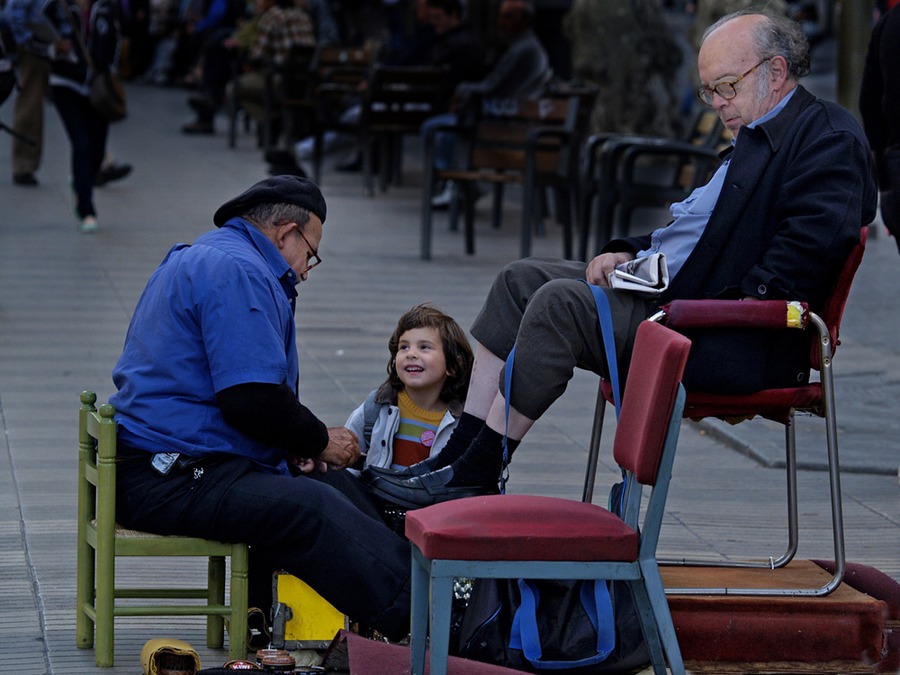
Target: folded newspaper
{"points": [[648, 275]]}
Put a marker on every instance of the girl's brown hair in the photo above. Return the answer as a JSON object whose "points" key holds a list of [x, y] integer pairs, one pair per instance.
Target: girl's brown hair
{"points": [[457, 350]]}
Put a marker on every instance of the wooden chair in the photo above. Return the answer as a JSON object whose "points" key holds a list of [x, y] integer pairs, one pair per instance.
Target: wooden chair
{"points": [[519, 536], [288, 96], [395, 103], [530, 142], [101, 541], [778, 405], [339, 74], [623, 172]]}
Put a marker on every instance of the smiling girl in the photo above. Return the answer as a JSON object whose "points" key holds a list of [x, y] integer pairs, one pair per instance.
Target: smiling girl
{"points": [[412, 414]]}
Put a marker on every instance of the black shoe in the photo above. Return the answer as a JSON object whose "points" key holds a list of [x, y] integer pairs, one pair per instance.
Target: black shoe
{"points": [[279, 157], [108, 174], [25, 178], [201, 105], [198, 128], [418, 469], [421, 491]]}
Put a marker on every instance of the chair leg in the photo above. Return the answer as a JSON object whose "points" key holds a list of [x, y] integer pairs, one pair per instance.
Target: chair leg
{"points": [[497, 206], [790, 448], [467, 194], [215, 624], [649, 627], [530, 207], [240, 564], [419, 613], [366, 144], [441, 603], [567, 206], [427, 212], [105, 604], [84, 595], [584, 218], [662, 618], [590, 476]]}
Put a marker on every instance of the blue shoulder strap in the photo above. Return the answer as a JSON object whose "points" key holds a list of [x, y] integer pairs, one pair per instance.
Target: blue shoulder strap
{"points": [[609, 344], [609, 341]]}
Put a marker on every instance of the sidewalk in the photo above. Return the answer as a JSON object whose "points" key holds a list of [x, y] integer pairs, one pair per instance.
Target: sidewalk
{"points": [[65, 301]]}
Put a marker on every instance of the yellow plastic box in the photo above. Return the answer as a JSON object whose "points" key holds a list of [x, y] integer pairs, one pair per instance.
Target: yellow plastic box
{"points": [[301, 618]]}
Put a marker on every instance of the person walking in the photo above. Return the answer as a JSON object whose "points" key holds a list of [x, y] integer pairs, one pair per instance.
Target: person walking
{"points": [[879, 105], [88, 45]]}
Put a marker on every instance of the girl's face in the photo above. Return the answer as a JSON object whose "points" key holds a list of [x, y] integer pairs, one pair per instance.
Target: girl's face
{"points": [[420, 359]]}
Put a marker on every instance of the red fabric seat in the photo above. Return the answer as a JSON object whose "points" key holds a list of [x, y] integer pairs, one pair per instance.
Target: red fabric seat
{"points": [[521, 527]]}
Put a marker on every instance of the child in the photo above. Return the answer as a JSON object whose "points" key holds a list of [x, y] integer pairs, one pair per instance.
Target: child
{"points": [[411, 415]]}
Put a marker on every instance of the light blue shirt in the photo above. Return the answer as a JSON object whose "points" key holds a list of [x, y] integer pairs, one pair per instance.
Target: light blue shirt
{"points": [[689, 217]]}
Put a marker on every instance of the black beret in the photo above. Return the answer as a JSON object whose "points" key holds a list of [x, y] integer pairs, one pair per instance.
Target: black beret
{"points": [[285, 189]]}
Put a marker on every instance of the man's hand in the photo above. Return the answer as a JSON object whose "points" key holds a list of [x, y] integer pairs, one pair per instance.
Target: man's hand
{"points": [[342, 449], [599, 269], [307, 465]]}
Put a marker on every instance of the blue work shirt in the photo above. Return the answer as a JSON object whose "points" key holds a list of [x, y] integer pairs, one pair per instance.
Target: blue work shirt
{"points": [[215, 314], [689, 217]]}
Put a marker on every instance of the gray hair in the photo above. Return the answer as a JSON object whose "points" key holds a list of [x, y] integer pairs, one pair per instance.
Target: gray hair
{"points": [[265, 215], [778, 35]]}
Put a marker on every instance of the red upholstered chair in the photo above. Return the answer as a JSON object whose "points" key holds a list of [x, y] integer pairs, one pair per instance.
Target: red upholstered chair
{"points": [[518, 536], [779, 405]]}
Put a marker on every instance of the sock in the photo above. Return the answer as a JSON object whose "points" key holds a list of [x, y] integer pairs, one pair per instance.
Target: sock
{"points": [[481, 463], [465, 432]]}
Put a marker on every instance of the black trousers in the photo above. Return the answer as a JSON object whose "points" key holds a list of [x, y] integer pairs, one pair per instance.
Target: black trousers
{"points": [[322, 528]]}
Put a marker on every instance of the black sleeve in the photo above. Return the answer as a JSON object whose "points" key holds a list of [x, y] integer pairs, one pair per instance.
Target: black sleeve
{"points": [[271, 413]]}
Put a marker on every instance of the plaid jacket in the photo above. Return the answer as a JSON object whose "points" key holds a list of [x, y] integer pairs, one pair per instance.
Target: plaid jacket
{"points": [[281, 29]]}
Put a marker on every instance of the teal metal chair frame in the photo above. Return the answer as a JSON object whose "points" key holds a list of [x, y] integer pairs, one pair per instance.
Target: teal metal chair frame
{"points": [[101, 541], [437, 532]]}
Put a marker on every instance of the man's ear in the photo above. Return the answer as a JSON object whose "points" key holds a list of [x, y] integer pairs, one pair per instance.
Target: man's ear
{"points": [[778, 69], [282, 232]]}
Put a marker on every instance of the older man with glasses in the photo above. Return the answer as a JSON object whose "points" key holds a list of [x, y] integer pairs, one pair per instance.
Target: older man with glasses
{"points": [[213, 440], [776, 221]]}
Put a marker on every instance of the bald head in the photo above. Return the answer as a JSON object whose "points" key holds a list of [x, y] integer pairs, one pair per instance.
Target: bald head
{"points": [[748, 63]]}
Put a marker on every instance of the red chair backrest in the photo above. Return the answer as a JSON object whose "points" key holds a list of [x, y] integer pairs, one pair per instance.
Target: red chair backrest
{"points": [[833, 310], [657, 365]]}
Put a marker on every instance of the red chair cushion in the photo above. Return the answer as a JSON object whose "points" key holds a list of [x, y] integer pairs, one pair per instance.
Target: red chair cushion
{"points": [[520, 527], [773, 404]]}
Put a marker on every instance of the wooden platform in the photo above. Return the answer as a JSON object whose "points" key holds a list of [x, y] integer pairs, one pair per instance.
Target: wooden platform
{"points": [[841, 632]]}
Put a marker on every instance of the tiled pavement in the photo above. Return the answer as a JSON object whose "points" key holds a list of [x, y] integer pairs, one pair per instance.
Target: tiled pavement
{"points": [[65, 300]]}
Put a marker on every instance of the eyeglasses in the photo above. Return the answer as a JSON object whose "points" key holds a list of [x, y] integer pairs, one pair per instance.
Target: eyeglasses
{"points": [[725, 89], [314, 257]]}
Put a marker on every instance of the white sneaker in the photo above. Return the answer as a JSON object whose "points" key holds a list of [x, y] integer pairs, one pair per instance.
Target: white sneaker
{"points": [[88, 224], [444, 198]]}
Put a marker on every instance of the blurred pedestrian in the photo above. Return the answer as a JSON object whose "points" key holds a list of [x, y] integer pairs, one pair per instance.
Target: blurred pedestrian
{"points": [[87, 44], [33, 49], [879, 104]]}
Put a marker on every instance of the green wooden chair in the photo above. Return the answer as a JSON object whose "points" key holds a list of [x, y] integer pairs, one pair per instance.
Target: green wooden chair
{"points": [[101, 541]]}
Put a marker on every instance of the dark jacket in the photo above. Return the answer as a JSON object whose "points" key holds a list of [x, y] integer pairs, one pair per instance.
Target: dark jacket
{"points": [[462, 52], [798, 189], [102, 42]]}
